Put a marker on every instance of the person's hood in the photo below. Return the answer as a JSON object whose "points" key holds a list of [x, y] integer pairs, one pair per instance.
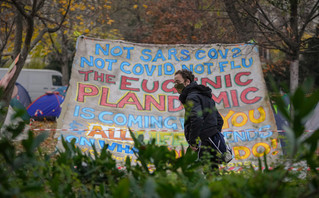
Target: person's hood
{"points": [[194, 87]]}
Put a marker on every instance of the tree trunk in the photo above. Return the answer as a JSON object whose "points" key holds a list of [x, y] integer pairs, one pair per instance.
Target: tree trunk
{"points": [[243, 25], [294, 75], [7, 94], [294, 80], [65, 61], [18, 34], [65, 73]]}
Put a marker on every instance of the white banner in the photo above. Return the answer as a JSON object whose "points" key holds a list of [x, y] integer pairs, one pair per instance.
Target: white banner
{"points": [[116, 85]]}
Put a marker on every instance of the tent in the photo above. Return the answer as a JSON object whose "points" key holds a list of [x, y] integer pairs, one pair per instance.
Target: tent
{"points": [[46, 106], [23, 95], [62, 90]]}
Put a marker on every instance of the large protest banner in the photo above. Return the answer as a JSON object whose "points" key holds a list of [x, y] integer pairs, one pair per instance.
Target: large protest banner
{"points": [[116, 85]]}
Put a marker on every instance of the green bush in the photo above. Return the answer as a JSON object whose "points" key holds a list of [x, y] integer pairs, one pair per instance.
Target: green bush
{"points": [[71, 173]]}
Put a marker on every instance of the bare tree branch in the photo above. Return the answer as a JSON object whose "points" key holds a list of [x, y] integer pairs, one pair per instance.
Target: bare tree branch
{"points": [[6, 37], [271, 42], [20, 9], [54, 46], [49, 30], [272, 27], [34, 8], [311, 16]]}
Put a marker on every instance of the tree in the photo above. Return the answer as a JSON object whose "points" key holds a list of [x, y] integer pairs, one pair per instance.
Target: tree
{"points": [[128, 18], [173, 22], [243, 25], [278, 24], [6, 27], [33, 19], [85, 17], [310, 62]]}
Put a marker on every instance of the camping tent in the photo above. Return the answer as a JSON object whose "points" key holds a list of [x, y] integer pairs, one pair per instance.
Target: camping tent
{"points": [[46, 106], [23, 95], [62, 90]]}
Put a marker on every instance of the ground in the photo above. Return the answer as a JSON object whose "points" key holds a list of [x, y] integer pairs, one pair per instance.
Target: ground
{"points": [[48, 146]]}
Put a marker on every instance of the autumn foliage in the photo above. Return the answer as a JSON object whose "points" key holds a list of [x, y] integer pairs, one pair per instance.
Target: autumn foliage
{"points": [[187, 22]]}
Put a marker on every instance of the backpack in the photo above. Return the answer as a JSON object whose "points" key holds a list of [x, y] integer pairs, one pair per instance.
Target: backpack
{"points": [[218, 142]]}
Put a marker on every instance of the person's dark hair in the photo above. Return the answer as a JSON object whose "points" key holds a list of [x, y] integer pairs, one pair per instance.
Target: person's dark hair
{"points": [[186, 74]]}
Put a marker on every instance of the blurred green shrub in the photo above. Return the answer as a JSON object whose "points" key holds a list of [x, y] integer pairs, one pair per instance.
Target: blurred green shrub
{"points": [[71, 173]]}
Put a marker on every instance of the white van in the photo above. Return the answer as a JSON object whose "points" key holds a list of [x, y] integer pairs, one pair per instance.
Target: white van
{"points": [[37, 81]]}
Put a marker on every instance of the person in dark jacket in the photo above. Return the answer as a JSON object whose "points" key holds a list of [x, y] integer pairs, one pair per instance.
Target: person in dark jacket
{"points": [[203, 123]]}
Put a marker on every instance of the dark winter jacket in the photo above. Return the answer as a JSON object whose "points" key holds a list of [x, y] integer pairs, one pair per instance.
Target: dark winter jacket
{"points": [[201, 116]]}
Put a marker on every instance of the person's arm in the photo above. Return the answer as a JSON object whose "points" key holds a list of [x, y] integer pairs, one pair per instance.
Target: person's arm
{"points": [[196, 120], [220, 121]]}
